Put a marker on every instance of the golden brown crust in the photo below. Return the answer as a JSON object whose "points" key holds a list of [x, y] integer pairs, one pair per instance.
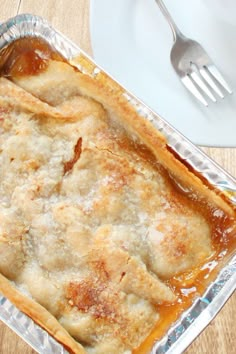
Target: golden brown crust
{"points": [[40, 315]]}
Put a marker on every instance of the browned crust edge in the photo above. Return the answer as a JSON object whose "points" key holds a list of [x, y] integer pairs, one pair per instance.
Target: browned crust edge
{"points": [[39, 315]]}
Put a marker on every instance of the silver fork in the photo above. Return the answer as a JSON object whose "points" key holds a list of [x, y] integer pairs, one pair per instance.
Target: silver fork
{"points": [[193, 65]]}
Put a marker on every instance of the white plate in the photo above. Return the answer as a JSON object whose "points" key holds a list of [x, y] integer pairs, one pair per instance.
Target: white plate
{"points": [[132, 41]]}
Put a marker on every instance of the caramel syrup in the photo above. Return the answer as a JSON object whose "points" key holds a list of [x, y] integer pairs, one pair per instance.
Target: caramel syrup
{"points": [[26, 56]]}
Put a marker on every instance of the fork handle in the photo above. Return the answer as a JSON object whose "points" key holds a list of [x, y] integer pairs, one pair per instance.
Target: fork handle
{"points": [[175, 30]]}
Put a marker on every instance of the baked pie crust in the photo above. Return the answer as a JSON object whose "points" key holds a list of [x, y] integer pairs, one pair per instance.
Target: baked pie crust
{"points": [[100, 222]]}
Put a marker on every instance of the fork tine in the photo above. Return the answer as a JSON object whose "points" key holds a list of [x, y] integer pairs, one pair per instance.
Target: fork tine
{"points": [[205, 74], [196, 78], [217, 75], [188, 83]]}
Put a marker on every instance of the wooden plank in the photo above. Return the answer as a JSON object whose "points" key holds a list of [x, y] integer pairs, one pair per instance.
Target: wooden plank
{"points": [[71, 18], [11, 343], [8, 9]]}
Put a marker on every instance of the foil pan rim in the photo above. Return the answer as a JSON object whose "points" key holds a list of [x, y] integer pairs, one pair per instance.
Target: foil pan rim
{"points": [[205, 308]]}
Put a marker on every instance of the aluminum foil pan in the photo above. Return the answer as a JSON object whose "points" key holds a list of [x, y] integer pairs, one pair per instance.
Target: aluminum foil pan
{"points": [[205, 308]]}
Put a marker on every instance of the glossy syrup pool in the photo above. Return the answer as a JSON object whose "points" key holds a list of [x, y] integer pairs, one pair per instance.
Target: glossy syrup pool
{"points": [[26, 56]]}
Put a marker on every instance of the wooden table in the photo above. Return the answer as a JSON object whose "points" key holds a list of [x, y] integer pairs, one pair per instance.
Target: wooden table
{"points": [[72, 19]]}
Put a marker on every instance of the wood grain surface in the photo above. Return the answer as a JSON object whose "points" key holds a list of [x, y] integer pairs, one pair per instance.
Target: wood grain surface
{"points": [[72, 19]]}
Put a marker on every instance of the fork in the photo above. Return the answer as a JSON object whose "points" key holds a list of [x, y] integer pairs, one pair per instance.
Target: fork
{"points": [[193, 65]]}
